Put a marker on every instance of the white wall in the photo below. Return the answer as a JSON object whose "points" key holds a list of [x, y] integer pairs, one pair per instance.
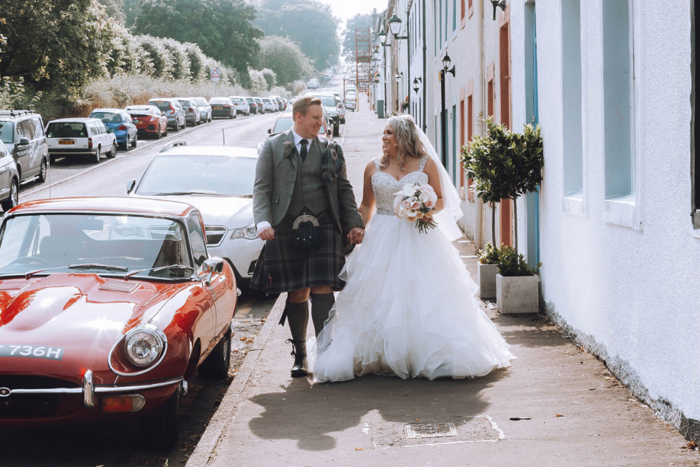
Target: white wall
{"points": [[630, 294]]}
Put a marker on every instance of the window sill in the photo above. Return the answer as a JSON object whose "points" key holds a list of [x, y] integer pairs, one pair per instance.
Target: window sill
{"points": [[622, 211], [573, 204]]}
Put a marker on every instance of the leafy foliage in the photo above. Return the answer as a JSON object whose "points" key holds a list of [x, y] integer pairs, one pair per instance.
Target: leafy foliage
{"points": [[284, 58], [488, 255], [223, 29], [510, 263], [307, 23], [55, 42]]}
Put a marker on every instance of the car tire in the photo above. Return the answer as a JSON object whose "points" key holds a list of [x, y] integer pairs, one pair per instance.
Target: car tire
{"points": [[336, 130], [161, 428], [43, 171], [52, 159], [13, 199], [111, 154], [217, 364], [134, 141], [97, 155]]}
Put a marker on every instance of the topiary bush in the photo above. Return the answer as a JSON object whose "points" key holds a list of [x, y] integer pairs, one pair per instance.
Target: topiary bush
{"points": [[510, 263], [488, 255]]}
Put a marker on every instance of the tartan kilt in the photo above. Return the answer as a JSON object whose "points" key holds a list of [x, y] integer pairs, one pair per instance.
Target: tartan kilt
{"points": [[282, 267]]}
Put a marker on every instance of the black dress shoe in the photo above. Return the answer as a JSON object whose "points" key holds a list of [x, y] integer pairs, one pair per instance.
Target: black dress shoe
{"points": [[300, 368]]}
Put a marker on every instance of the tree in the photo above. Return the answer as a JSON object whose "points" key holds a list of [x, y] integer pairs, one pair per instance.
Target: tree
{"points": [[309, 24], [223, 29], [62, 43], [285, 58], [357, 21]]}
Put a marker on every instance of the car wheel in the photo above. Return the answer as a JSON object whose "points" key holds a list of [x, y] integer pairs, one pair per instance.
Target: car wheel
{"points": [[13, 199], [97, 155], [216, 365], [110, 155], [43, 170], [160, 428], [134, 141], [52, 159], [336, 129]]}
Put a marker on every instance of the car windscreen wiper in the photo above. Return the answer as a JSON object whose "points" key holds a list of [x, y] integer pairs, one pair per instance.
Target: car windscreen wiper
{"points": [[187, 193], [177, 267], [107, 267]]}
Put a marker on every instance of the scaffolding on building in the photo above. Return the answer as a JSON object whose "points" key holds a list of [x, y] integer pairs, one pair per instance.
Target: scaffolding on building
{"points": [[363, 57]]}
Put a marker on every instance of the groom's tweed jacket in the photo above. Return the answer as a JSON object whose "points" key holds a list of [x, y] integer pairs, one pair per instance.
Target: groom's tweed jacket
{"points": [[276, 177]]}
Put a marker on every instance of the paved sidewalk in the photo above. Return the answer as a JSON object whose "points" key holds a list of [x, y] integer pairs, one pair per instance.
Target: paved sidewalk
{"points": [[573, 412]]}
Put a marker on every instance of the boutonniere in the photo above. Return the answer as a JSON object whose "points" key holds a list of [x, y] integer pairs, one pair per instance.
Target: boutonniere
{"points": [[288, 149], [333, 162]]}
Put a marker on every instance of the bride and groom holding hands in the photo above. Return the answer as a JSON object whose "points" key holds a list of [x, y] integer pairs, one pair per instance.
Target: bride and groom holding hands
{"points": [[407, 304]]}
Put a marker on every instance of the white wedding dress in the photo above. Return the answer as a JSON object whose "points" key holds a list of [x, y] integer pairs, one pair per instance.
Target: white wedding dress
{"points": [[408, 307]]}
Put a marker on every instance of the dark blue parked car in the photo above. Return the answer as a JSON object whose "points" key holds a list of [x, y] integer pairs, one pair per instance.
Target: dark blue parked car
{"points": [[118, 121]]}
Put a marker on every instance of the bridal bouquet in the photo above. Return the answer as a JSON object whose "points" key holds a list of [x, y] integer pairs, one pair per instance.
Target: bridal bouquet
{"points": [[416, 202]]}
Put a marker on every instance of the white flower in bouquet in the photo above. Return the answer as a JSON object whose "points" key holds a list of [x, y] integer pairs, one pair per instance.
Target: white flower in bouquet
{"points": [[415, 203]]}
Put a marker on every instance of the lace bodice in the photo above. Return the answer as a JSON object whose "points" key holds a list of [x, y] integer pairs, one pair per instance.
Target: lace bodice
{"points": [[385, 186]]}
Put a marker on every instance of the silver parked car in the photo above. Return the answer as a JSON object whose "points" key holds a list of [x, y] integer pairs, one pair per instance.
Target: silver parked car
{"points": [[9, 180], [172, 109], [204, 109], [22, 133], [218, 180], [192, 115]]}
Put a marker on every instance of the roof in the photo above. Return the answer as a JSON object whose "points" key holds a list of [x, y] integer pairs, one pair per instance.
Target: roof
{"points": [[230, 151], [77, 119], [107, 205], [106, 109]]}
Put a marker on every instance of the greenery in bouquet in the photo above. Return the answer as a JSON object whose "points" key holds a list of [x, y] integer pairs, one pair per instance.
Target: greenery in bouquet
{"points": [[510, 263], [488, 255]]}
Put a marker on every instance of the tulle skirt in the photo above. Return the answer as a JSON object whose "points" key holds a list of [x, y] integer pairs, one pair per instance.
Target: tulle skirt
{"points": [[408, 309]]}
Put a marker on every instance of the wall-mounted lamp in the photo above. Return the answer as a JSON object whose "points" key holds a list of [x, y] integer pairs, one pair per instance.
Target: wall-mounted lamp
{"points": [[398, 77], [416, 84], [497, 3]]}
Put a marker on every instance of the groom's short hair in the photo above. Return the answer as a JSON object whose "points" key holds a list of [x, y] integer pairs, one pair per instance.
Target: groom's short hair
{"points": [[302, 104]]}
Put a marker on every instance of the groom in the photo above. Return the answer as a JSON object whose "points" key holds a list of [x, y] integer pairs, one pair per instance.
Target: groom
{"points": [[303, 204]]}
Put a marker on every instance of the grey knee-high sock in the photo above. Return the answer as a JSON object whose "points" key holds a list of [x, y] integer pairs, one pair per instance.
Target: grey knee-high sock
{"points": [[321, 305], [298, 316]]}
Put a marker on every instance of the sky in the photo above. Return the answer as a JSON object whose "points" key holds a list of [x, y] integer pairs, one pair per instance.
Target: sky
{"points": [[346, 9]]}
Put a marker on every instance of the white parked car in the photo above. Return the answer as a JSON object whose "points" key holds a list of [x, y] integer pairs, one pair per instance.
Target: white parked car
{"points": [[269, 104], [218, 180], [241, 105], [313, 84], [80, 137]]}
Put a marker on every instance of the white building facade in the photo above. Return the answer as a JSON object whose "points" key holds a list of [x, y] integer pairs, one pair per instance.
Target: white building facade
{"points": [[610, 83]]}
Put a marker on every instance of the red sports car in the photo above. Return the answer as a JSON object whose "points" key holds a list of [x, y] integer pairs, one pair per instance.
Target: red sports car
{"points": [[107, 307], [149, 120]]}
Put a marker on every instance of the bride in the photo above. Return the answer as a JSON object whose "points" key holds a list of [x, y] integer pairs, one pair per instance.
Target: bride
{"points": [[408, 307]]}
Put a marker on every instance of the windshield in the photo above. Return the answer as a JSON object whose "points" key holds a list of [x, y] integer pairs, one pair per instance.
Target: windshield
{"points": [[66, 130], [216, 175], [7, 132], [328, 101], [99, 244], [164, 106], [107, 117]]}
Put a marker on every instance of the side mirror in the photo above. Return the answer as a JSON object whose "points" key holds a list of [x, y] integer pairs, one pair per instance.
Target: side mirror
{"points": [[329, 132], [269, 131], [23, 141], [213, 265], [110, 130], [130, 185]]}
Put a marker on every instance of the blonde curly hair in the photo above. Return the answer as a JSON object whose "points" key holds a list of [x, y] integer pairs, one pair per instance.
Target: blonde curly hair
{"points": [[407, 140]]}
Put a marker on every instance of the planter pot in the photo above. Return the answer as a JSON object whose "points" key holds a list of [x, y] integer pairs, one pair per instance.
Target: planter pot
{"points": [[486, 277], [518, 294]]}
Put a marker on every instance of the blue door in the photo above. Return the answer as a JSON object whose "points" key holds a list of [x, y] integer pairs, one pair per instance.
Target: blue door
{"points": [[533, 199]]}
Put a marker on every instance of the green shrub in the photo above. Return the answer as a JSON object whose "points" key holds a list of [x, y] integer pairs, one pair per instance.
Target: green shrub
{"points": [[489, 255], [510, 263]]}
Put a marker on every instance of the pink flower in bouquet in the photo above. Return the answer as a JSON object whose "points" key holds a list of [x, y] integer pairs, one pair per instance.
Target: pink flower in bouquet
{"points": [[429, 204], [407, 203], [415, 205]]}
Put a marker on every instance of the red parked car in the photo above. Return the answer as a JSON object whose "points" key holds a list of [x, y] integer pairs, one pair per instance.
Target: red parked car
{"points": [[149, 120], [107, 308]]}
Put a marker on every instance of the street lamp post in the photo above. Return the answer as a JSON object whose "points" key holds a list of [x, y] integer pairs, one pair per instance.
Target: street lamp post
{"points": [[443, 115], [395, 27]]}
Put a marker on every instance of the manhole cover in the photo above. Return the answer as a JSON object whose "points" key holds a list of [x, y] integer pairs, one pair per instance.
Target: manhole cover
{"points": [[430, 430]]}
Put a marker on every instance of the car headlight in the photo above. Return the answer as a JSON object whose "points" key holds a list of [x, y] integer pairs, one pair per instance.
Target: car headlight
{"points": [[250, 232], [144, 345]]}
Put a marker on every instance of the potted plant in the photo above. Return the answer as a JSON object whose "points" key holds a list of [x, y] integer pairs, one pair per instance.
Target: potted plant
{"points": [[517, 284], [486, 271]]}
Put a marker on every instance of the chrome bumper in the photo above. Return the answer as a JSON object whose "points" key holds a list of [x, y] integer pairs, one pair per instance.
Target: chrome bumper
{"points": [[89, 390]]}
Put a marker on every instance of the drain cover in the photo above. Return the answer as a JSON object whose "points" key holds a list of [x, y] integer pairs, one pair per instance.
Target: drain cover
{"points": [[430, 430]]}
